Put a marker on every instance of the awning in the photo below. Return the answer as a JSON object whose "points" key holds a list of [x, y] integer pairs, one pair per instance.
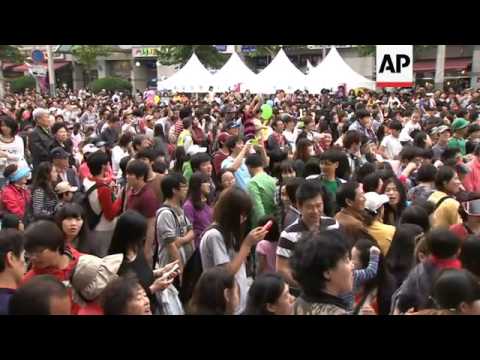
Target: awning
{"points": [[57, 65], [450, 64]]}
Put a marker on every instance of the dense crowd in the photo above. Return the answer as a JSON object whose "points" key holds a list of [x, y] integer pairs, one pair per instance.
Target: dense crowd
{"points": [[347, 202]]}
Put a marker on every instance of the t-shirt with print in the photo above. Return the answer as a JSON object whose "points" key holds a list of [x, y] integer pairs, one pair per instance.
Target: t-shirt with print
{"points": [[213, 252], [392, 146], [169, 228]]}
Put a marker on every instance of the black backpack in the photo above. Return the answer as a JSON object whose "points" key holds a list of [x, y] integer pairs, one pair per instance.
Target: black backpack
{"points": [[192, 271], [91, 216]]}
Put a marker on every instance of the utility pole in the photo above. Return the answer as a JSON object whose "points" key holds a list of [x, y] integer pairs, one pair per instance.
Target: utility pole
{"points": [[440, 67], [51, 71]]}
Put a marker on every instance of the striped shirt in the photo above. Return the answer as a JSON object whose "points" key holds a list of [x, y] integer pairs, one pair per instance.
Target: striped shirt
{"points": [[43, 202], [290, 236]]}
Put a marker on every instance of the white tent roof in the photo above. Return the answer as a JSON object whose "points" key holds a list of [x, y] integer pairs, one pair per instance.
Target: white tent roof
{"points": [[334, 71], [234, 72], [193, 77], [280, 74]]}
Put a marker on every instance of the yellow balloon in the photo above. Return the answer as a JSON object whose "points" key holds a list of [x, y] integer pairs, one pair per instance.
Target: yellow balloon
{"points": [[156, 99]]}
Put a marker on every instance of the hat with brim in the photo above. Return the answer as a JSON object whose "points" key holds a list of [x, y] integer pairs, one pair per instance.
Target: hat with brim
{"points": [[439, 129], [59, 153], [89, 148], [374, 201], [195, 149], [92, 274], [459, 124], [64, 186]]}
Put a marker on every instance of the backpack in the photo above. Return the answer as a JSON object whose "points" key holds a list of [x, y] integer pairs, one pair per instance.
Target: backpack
{"points": [[192, 271], [90, 215], [156, 242]]}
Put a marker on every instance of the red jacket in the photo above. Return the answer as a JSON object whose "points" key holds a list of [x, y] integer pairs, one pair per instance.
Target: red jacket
{"points": [[63, 275], [15, 200]]}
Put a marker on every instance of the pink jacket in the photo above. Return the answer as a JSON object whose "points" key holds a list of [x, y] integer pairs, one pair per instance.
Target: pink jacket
{"points": [[472, 179]]}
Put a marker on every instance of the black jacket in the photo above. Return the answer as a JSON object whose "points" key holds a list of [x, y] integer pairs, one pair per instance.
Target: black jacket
{"points": [[40, 142]]}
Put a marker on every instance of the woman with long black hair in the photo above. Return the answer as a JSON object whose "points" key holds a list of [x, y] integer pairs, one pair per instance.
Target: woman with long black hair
{"points": [[225, 243], [129, 239], [44, 198]]}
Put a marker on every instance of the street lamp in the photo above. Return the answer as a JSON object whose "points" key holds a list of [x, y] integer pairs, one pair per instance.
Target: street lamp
{"points": [[137, 64]]}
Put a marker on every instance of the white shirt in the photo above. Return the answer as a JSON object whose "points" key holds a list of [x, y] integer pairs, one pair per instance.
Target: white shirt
{"points": [[128, 127], [409, 128], [392, 146], [117, 154], [15, 154]]}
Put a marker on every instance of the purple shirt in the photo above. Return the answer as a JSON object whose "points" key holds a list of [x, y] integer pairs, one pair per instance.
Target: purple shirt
{"points": [[200, 219]]}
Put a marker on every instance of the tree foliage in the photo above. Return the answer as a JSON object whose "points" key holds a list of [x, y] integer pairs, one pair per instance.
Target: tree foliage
{"points": [[10, 52], [87, 55], [180, 54]]}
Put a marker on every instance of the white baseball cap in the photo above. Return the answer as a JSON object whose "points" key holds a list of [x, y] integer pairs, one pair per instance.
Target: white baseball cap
{"points": [[89, 148], [374, 201]]}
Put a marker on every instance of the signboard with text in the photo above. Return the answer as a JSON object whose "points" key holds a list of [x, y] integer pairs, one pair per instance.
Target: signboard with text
{"points": [[394, 66], [144, 52]]}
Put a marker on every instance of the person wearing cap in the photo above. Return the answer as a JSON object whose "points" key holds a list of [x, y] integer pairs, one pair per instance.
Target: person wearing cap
{"points": [[443, 133], [40, 138], [65, 192], [381, 233], [16, 197], [84, 171], [470, 212], [90, 277], [233, 127], [60, 160], [459, 130]]}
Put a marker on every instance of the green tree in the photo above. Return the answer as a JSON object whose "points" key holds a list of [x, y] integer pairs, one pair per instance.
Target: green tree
{"points": [[7, 52], [87, 56], [180, 54], [365, 50]]}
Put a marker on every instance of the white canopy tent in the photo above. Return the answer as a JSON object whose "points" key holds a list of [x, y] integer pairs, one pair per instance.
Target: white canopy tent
{"points": [[191, 78], [332, 72], [234, 72], [280, 74]]}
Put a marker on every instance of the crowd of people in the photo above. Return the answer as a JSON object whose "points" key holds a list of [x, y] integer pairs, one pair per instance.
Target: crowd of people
{"points": [[346, 202]]}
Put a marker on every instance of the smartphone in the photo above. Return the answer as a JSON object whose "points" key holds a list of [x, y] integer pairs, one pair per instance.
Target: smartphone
{"points": [[171, 272]]}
